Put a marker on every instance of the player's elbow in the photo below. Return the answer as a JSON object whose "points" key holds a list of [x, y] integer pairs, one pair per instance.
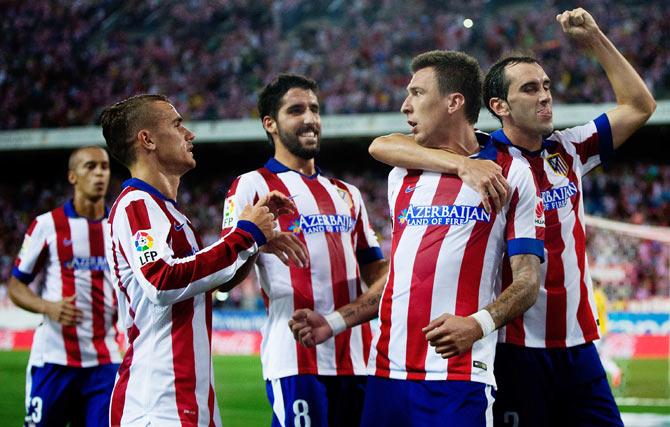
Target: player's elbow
{"points": [[531, 290], [14, 288], [378, 145], [650, 107], [160, 296], [645, 106]]}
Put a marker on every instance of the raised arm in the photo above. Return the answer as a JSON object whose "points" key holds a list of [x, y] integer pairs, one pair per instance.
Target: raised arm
{"points": [[311, 328], [483, 175], [635, 104], [452, 335]]}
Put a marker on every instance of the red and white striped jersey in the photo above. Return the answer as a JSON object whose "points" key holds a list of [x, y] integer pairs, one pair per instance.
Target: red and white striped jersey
{"points": [[333, 224], [71, 251], [164, 278], [446, 256], [564, 314]]}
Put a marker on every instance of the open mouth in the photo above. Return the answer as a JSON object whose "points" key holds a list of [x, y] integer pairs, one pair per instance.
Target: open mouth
{"points": [[308, 133], [412, 125]]}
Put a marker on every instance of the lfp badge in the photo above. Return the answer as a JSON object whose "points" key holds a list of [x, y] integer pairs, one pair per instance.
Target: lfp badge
{"points": [[229, 213], [143, 243]]}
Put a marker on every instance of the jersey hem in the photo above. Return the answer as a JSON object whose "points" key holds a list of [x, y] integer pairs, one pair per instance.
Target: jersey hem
{"points": [[431, 376], [554, 343], [326, 373]]}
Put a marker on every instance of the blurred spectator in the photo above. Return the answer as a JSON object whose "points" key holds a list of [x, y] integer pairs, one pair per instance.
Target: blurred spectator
{"points": [[61, 60]]}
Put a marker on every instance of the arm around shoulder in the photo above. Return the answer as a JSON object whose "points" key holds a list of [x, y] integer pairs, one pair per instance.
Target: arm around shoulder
{"points": [[403, 151]]}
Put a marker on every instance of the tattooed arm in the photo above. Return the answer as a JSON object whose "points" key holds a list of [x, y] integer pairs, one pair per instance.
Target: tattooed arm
{"points": [[311, 328], [521, 294], [452, 335]]}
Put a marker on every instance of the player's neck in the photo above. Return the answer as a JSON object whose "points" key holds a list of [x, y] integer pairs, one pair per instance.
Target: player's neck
{"points": [[523, 139], [457, 139], [304, 166], [167, 184], [88, 208]]}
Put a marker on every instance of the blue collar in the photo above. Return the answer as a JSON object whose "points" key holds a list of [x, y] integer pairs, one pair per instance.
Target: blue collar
{"points": [[500, 136], [70, 211], [141, 185], [274, 166], [488, 150]]}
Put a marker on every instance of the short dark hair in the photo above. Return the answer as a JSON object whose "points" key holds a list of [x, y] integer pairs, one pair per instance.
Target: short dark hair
{"points": [[456, 72], [269, 100], [72, 160], [121, 121], [496, 85]]}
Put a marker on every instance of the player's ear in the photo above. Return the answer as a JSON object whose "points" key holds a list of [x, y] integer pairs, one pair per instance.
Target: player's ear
{"points": [[455, 101], [71, 177], [145, 140], [269, 124], [499, 106]]}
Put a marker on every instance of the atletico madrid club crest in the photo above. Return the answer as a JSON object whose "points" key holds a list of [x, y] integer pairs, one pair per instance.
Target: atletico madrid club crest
{"points": [[345, 196], [557, 164]]}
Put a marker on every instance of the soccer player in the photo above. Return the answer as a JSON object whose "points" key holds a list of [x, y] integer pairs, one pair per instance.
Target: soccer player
{"points": [[163, 275], [74, 355], [446, 257], [563, 382], [309, 386]]}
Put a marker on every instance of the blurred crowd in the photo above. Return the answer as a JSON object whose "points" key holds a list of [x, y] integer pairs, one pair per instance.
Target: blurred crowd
{"points": [[631, 269], [61, 61]]}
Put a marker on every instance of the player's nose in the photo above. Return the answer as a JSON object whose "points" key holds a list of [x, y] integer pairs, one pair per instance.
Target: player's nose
{"points": [[406, 107]]}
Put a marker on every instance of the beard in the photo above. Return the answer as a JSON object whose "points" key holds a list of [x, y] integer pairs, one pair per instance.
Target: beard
{"points": [[291, 141]]}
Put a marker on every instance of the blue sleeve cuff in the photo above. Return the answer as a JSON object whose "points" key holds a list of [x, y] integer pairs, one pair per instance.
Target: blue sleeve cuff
{"points": [[605, 142], [252, 229], [366, 256], [526, 245], [23, 277]]}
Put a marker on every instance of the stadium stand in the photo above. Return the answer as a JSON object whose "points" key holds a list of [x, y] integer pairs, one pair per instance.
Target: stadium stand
{"points": [[61, 61]]}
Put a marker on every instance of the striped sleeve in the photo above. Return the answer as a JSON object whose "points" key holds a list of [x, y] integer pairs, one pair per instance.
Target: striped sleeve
{"points": [[144, 241], [33, 252], [525, 214], [395, 180], [240, 194], [367, 246], [590, 143]]}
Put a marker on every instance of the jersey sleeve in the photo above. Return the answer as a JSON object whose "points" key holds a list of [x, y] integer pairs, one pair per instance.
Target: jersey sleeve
{"points": [[367, 246], [394, 181], [591, 144], [240, 194], [144, 241], [33, 253], [525, 214]]}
